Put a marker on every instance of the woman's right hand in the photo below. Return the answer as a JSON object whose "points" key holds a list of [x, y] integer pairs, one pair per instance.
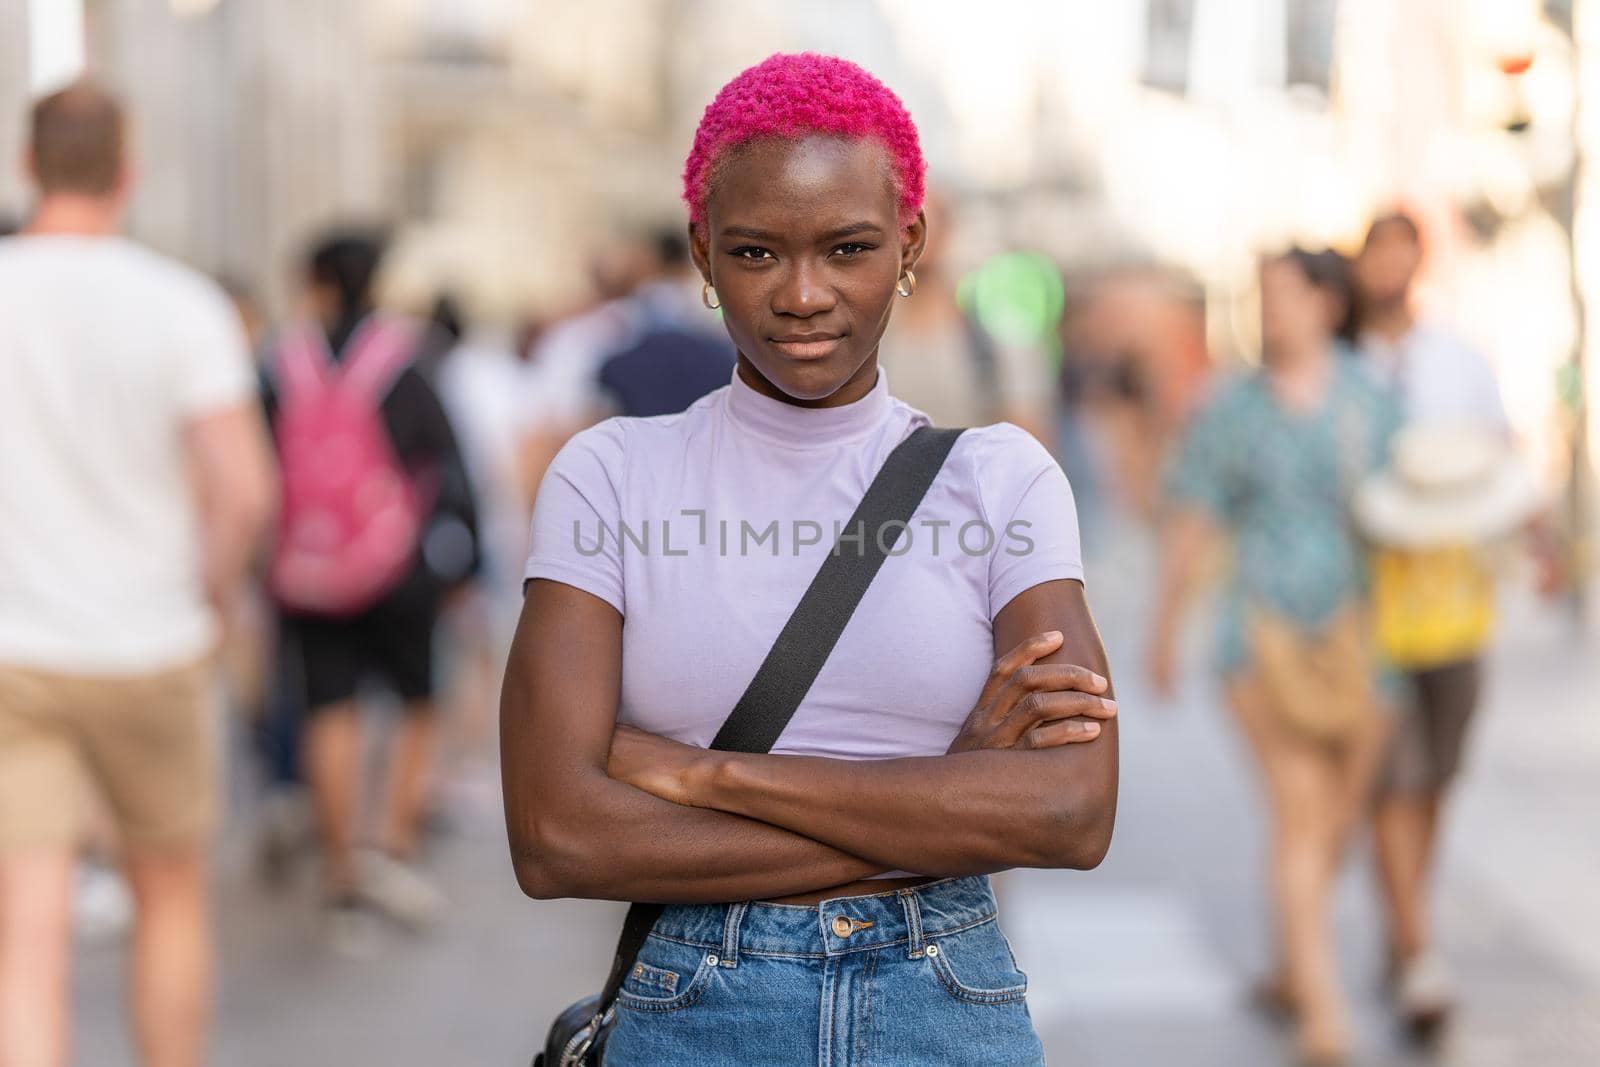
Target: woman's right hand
{"points": [[1027, 704]]}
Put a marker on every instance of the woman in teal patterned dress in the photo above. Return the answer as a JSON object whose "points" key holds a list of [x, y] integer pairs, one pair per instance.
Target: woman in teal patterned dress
{"points": [[1271, 461]]}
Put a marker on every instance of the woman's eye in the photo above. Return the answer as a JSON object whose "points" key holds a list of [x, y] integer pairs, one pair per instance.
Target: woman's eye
{"points": [[852, 248], [752, 252]]}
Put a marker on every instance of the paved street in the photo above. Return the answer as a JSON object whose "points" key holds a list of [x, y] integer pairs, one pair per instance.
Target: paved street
{"points": [[1143, 962]]}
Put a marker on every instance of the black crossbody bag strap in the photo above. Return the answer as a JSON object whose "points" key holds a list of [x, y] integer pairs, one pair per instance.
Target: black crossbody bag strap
{"points": [[807, 639]]}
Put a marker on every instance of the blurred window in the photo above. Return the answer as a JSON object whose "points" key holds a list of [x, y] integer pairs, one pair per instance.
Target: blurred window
{"points": [[465, 31], [1169, 32], [1310, 28]]}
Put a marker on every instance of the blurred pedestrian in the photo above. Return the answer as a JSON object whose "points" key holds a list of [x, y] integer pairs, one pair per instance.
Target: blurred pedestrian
{"points": [[1272, 460], [481, 379], [263, 675], [134, 483], [446, 329], [373, 537], [1133, 368], [670, 358], [246, 644], [945, 363], [1434, 594], [564, 396]]}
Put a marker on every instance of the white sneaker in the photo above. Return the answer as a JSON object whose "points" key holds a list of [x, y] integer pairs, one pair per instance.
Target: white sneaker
{"points": [[1426, 992], [399, 890], [286, 834], [349, 928], [102, 907]]}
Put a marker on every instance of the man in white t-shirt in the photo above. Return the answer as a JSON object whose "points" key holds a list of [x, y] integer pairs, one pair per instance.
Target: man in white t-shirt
{"points": [[1437, 375], [1434, 611], [135, 480]]}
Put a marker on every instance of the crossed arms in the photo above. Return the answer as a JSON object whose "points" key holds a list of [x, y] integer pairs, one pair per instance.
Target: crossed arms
{"points": [[597, 811]]}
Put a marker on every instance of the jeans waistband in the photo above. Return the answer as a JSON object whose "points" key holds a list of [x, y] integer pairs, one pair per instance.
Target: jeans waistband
{"points": [[835, 927]]}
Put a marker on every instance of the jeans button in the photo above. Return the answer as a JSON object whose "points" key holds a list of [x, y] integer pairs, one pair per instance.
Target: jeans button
{"points": [[841, 926]]}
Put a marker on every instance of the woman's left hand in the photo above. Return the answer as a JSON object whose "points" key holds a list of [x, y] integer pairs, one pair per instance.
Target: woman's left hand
{"points": [[655, 764]]}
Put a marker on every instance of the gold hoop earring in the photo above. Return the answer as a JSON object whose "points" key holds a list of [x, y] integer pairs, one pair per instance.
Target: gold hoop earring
{"points": [[907, 284], [706, 293]]}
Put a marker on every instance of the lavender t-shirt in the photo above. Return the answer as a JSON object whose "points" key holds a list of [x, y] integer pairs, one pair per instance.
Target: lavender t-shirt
{"points": [[704, 529]]}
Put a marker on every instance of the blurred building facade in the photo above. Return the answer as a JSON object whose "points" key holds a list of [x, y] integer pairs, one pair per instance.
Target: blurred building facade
{"points": [[14, 85], [504, 140]]}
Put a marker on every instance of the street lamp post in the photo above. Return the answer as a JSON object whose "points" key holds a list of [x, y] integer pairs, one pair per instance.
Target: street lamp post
{"points": [[1575, 389]]}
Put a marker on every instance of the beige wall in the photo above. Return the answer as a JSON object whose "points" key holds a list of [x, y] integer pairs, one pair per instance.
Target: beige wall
{"points": [[13, 101], [255, 123], [264, 120]]}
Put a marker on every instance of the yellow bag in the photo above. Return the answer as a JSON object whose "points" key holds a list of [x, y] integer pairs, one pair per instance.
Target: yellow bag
{"points": [[1432, 606]]}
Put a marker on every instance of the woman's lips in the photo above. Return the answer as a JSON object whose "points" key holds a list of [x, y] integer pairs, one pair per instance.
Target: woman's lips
{"points": [[809, 348]]}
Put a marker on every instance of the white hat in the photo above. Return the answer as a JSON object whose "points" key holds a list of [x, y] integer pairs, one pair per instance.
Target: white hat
{"points": [[1447, 484]]}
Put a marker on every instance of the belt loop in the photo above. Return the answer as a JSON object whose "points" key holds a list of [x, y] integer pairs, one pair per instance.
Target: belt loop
{"points": [[908, 900], [730, 934]]}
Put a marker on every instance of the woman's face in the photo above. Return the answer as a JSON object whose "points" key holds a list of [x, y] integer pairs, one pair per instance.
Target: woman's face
{"points": [[1296, 314], [802, 243]]}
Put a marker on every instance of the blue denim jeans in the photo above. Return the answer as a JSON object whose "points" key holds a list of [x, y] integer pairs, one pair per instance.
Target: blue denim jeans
{"points": [[907, 978]]}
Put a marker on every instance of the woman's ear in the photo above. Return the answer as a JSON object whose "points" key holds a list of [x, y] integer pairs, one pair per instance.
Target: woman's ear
{"points": [[913, 239], [700, 250]]}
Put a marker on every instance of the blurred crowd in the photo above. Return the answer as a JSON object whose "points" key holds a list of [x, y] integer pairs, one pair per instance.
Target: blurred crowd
{"points": [[362, 476]]}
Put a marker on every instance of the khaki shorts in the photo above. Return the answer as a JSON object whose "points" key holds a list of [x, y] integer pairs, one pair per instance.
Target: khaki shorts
{"points": [[146, 744]]}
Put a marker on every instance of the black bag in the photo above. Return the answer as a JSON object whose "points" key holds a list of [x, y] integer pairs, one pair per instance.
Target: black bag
{"points": [[578, 1036]]}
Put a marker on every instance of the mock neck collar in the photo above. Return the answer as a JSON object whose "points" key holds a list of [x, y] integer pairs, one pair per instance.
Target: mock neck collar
{"points": [[802, 427]]}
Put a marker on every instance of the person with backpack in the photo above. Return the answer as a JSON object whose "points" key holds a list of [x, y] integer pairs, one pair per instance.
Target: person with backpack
{"points": [[796, 670], [378, 525]]}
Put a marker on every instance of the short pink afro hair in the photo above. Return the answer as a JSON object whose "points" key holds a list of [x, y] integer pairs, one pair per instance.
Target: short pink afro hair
{"points": [[793, 95]]}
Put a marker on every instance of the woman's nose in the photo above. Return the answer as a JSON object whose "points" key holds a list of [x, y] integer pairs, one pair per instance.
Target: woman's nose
{"points": [[804, 292]]}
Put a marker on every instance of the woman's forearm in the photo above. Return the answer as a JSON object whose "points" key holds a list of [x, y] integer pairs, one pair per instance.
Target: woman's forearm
{"points": [[969, 812], [576, 832], [615, 842], [1184, 550], [966, 813]]}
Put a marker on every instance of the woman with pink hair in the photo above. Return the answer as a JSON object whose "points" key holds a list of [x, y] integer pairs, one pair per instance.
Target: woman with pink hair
{"points": [[812, 818]]}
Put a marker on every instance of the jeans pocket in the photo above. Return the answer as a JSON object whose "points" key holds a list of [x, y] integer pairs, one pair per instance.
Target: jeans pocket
{"points": [[976, 966], [657, 981]]}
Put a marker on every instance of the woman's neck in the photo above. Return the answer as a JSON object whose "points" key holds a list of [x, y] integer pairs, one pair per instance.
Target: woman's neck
{"points": [[1298, 376], [855, 387]]}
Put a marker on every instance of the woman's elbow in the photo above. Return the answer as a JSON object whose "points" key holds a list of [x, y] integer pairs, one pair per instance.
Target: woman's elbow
{"points": [[1081, 832], [546, 860], [1093, 842], [537, 878]]}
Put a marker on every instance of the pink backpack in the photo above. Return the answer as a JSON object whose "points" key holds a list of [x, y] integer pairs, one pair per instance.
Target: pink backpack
{"points": [[352, 517]]}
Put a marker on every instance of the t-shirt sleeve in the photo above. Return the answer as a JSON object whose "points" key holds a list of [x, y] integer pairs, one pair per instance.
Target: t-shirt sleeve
{"points": [[577, 515], [1029, 506], [1390, 417], [1487, 402], [1202, 473], [211, 355]]}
